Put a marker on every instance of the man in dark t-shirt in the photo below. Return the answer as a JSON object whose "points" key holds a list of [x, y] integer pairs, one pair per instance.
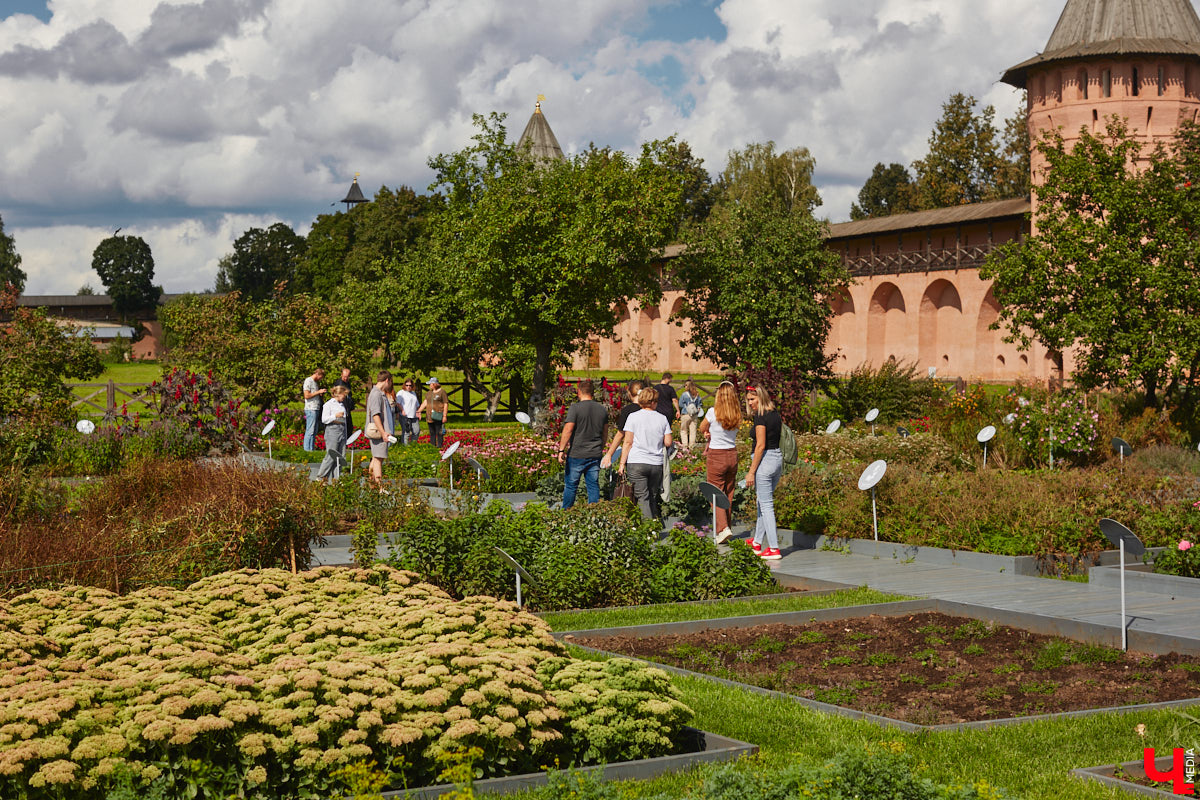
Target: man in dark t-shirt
{"points": [[668, 400], [582, 444], [348, 403]]}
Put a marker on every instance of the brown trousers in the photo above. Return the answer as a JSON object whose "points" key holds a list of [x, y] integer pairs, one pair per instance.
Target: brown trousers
{"points": [[721, 472]]}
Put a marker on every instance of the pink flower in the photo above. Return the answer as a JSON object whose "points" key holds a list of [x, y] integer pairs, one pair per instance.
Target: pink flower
{"points": [[1184, 544]]}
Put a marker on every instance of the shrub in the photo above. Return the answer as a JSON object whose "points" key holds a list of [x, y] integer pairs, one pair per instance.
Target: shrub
{"points": [[515, 462], [588, 556], [200, 402], [161, 522], [893, 388], [272, 684], [1061, 423], [1183, 559]]}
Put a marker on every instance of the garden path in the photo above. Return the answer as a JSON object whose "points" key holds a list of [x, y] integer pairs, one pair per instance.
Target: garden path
{"points": [[1080, 602]]}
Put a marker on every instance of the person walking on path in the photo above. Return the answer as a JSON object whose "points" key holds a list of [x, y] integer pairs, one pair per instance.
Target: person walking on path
{"points": [[668, 406], [765, 469], [437, 403], [379, 425], [691, 410], [647, 437], [349, 402], [334, 416], [312, 392], [631, 391], [582, 444], [720, 427], [407, 404]]}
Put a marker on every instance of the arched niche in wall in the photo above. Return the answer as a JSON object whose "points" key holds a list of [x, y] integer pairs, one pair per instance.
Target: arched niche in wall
{"points": [[841, 323], [885, 323], [676, 335], [940, 330], [989, 349]]}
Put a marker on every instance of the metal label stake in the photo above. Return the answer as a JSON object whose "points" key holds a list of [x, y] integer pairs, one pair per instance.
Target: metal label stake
{"points": [[1124, 539]]}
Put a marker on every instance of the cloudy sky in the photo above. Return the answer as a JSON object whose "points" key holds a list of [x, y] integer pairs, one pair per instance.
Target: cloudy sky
{"points": [[188, 122]]}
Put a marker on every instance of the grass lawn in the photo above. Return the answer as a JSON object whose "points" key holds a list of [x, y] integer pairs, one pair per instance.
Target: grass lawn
{"points": [[678, 612], [1029, 760], [140, 372]]}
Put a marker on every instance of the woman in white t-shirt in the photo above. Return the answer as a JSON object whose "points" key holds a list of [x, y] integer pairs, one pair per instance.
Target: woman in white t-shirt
{"points": [[643, 451], [720, 425]]}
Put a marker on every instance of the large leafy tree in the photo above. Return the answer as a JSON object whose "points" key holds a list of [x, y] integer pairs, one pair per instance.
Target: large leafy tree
{"points": [[126, 268], [261, 258], [10, 262], [759, 281], [1111, 271], [758, 173], [963, 156], [538, 253], [888, 191], [364, 240], [36, 356], [264, 348]]}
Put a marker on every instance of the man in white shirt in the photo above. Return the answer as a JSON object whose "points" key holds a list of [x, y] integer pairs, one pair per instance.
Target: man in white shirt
{"points": [[312, 392], [406, 404]]}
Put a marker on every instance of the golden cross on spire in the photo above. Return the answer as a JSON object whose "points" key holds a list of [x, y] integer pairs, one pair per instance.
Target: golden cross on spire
{"points": [[537, 107]]}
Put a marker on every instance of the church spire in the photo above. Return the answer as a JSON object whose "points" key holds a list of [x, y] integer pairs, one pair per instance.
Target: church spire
{"points": [[543, 145]]}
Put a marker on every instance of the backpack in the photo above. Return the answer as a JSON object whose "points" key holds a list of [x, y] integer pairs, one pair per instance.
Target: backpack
{"points": [[787, 445]]}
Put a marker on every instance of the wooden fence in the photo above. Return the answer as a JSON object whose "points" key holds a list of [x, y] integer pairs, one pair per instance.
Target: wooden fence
{"points": [[87, 396]]}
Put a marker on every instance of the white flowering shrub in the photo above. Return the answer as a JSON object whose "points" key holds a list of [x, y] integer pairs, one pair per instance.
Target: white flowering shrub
{"points": [[267, 684]]}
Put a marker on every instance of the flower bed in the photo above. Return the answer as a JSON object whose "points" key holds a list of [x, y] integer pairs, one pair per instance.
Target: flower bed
{"points": [[268, 684]]}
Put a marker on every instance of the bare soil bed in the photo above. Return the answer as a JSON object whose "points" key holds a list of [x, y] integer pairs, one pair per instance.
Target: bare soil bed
{"points": [[927, 669]]}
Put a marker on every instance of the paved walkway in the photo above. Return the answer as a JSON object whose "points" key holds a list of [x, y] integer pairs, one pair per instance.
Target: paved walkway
{"points": [[1081, 602]]}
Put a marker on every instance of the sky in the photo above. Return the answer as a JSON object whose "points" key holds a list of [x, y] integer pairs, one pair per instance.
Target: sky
{"points": [[187, 122]]}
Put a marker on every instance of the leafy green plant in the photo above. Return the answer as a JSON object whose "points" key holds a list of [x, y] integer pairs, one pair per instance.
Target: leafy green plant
{"points": [[1183, 560], [364, 540]]}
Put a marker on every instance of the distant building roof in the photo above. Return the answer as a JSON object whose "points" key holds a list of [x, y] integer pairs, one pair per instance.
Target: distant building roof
{"points": [[355, 195], [542, 143], [935, 218], [1091, 28]]}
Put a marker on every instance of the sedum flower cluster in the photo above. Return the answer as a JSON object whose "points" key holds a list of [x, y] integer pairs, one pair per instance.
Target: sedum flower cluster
{"points": [[282, 681]]}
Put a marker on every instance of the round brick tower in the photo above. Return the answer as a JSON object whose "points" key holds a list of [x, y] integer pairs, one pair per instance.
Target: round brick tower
{"points": [[1139, 59]]}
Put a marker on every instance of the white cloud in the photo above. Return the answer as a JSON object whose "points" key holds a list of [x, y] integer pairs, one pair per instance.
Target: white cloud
{"points": [[189, 118]]}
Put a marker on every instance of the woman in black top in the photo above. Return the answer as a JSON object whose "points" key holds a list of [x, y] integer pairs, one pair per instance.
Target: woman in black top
{"points": [[765, 469]]}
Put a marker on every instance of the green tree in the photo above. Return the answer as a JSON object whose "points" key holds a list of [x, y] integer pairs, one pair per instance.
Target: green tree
{"points": [[261, 259], [362, 241], [542, 252], [888, 191], [126, 268], [1111, 271], [759, 281], [783, 180], [964, 156], [1014, 174], [36, 356], [10, 262], [700, 194], [264, 348]]}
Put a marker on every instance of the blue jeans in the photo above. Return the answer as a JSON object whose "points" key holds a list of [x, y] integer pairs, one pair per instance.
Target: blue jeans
{"points": [[766, 478], [589, 468], [310, 428]]}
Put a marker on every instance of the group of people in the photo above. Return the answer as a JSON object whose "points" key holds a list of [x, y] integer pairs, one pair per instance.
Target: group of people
{"points": [[644, 440], [386, 411]]}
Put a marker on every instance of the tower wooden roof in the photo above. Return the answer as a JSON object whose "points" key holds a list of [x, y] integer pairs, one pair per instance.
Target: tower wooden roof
{"points": [[1091, 28], [542, 143]]}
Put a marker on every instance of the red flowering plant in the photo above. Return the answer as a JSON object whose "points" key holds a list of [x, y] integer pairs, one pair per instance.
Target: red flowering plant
{"points": [[201, 404]]}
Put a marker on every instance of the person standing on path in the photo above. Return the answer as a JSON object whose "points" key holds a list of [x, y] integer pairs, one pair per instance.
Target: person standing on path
{"points": [[720, 426], [312, 392], [438, 404], [582, 444], [668, 406], [407, 404], [765, 469], [691, 409], [632, 391], [349, 403], [334, 416], [379, 415], [647, 437]]}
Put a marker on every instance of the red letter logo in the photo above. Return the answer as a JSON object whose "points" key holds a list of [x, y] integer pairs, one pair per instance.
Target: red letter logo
{"points": [[1177, 776]]}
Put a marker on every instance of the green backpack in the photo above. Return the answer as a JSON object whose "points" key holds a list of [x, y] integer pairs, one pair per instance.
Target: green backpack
{"points": [[787, 445]]}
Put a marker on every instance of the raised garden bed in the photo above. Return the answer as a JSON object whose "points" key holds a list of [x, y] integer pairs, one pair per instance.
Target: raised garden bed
{"points": [[1130, 776], [1143, 578], [701, 747], [942, 673]]}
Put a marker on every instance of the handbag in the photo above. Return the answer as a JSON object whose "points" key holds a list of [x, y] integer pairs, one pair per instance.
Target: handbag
{"points": [[622, 488], [372, 431], [436, 416]]}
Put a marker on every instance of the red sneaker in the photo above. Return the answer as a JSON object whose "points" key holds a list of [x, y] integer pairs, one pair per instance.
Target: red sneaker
{"points": [[770, 554], [755, 546]]}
